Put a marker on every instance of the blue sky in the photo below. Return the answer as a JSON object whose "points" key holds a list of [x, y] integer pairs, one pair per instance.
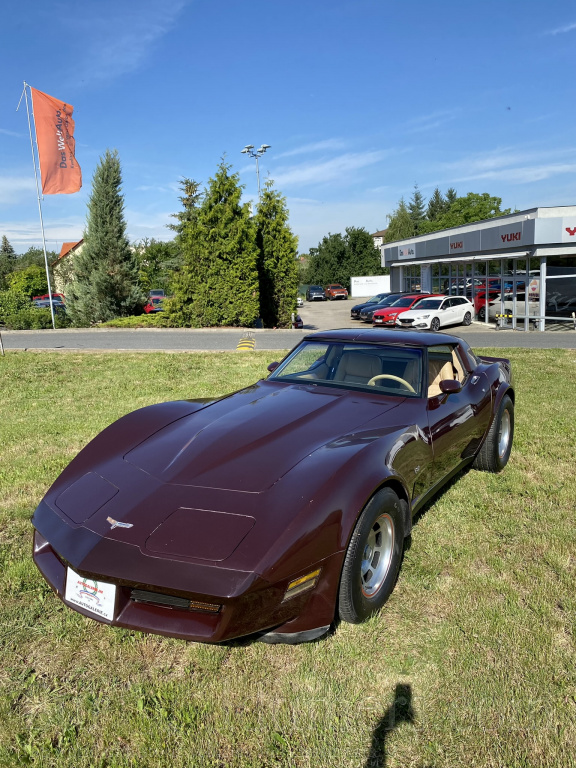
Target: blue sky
{"points": [[359, 100]]}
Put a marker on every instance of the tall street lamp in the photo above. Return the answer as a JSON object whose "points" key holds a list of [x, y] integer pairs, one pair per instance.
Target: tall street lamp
{"points": [[256, 154]]}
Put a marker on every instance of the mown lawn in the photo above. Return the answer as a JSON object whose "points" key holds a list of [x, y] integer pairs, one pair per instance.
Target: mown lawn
{"points": [[471, 663]]}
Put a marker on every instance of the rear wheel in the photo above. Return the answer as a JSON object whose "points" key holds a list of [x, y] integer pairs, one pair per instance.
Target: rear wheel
{"points": [[482, 314], [435, 324], [467, 318], [373, 557], [495, 451]]}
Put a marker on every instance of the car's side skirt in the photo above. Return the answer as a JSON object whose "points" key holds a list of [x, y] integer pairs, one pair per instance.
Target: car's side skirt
{"points": [[421, 501]]}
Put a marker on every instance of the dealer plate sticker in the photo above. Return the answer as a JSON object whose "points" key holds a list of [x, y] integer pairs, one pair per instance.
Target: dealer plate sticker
{"points": [[98, 597]]}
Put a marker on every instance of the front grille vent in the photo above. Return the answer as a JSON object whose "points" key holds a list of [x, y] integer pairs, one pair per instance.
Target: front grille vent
{"points": [[171, 601], [143, 596]]}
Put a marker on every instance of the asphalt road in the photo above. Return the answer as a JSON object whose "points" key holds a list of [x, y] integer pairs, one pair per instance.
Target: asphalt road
{"points": [[316, 316]]}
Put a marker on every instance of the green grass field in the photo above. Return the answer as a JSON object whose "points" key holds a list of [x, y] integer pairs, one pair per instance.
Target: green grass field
{"points": [[472, 662]]}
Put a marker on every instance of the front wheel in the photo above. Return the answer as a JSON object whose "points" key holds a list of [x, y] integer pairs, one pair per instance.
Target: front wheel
{"points": [[373, 557], [435, 324], [481, 314], [495, 451]]}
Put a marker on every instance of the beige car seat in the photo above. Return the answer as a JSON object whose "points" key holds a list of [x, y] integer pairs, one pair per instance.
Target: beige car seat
{"points": [[357, 368]]}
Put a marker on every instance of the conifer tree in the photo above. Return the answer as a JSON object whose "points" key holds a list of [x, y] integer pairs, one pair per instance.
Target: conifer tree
{"points": [[277, 268], [7, 260], [105, 279], [190, 199], [417, 209], [451, 196], [437, 205], [6, 249], [218, 283]]}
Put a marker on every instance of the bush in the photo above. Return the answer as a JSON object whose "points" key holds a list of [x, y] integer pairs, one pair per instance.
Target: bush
{"points": [[156, 320], [11, 302]]}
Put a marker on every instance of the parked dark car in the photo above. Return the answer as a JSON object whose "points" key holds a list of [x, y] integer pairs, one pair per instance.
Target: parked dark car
{"points": [[315, 293], [367, 314], [45, 304], [357, 308], [282, 507]]}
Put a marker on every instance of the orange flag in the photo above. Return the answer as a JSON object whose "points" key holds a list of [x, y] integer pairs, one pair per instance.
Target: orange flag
{"points": [[59, 170]]}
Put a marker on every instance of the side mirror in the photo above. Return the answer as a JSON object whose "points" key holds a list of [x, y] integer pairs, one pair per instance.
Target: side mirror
{"points": [[450, 386], [272, 367]]}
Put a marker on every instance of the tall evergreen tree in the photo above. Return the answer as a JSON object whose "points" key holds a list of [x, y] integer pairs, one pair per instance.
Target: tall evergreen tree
{"points": [[7, 260], [417, 209], [451, 196], [218, 283], [105, 281], [6, 249], [190, 199], [277, 268], [437, 205], [400, 224]]}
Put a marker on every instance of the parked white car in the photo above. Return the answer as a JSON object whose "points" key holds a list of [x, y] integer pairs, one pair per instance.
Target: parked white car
{"points": [[435, 312]]}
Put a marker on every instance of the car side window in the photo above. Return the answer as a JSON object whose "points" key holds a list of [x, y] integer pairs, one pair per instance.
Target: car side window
{"points": [[443, 363]]}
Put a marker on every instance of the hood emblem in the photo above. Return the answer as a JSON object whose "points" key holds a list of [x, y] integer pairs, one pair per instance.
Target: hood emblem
{"points": [[117, 523]]}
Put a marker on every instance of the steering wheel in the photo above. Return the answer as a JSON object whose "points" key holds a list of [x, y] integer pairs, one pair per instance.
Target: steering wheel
{"points": [[405, 383]]}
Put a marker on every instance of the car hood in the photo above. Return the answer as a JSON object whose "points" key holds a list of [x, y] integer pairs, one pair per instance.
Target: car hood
{"points": [[248, 441], [411, 313]]}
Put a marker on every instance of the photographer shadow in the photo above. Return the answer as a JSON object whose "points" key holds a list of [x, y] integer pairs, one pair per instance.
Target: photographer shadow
{"points": [[400, 711]]}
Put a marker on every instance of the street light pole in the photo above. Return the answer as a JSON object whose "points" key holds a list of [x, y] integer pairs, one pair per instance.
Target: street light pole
{"points": [[256, 154]]}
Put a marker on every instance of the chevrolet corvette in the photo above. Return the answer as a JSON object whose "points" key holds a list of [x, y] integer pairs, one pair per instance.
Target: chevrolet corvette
{"points": [[280, 509]]}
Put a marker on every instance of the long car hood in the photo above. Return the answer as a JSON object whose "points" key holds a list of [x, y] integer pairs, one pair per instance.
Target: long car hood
{"points": [[248, 441]]}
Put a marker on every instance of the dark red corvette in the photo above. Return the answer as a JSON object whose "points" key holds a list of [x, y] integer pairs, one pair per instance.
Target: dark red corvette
{"points": [[281, 507]]}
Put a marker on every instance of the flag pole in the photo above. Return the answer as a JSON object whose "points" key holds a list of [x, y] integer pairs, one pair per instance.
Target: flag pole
{"points": [[25, 94]]}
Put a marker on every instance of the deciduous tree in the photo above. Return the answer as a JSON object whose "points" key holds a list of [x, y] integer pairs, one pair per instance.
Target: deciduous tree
{"points": [[400, 224]]}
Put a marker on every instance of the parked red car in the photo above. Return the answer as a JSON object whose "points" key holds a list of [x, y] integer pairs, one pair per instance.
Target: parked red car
{"points": [[46, 297], [388, 315]]}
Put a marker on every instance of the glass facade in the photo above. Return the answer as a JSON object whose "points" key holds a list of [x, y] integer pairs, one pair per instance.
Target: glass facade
{"points": [[507, 290]]}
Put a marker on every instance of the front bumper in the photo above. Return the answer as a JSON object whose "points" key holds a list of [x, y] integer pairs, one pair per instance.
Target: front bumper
{"points": [[256, 606]]}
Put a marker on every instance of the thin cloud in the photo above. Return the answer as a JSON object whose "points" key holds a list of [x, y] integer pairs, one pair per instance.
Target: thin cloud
{"points": [[319, 146], [523, 175], [513, 166], [6, 132], [562, 30], [329, 170], [431, 121], [118, 42]]}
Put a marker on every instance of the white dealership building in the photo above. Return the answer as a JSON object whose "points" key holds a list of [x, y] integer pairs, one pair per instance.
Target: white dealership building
{"points": [[522, 265]]}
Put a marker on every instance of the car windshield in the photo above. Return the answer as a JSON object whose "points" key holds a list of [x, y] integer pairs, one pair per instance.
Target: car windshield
{"points": [[428, 304], [388, 301], [405, 301], [378, 369]]}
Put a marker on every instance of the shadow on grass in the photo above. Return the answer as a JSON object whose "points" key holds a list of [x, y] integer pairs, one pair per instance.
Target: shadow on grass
{"points": [[400, 711]]}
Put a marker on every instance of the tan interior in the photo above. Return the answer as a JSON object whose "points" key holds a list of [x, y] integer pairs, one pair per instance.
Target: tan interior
{"points": [[357, 368]]}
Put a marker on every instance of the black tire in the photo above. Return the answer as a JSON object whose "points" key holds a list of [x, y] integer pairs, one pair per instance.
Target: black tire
{"points": [[482, 314], [467, 318], [368, 577], [495, 450], [435, 324]]}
